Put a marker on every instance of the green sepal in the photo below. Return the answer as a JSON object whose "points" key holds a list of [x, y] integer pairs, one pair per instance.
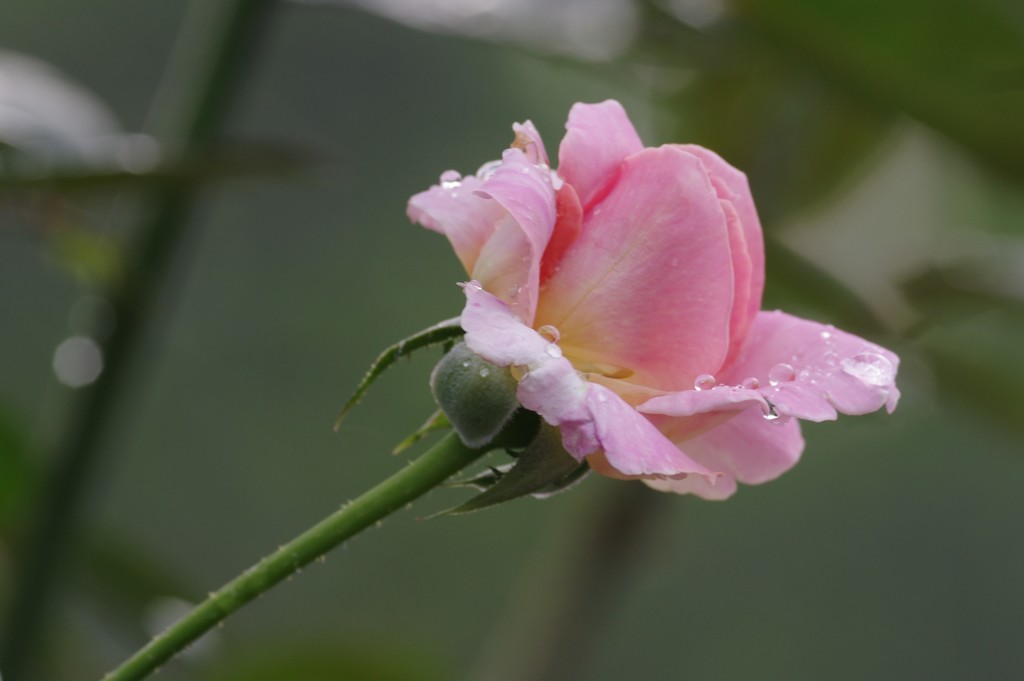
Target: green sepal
{"points": [[478, 397], [437, 421], [443, 332], [542, 470]]}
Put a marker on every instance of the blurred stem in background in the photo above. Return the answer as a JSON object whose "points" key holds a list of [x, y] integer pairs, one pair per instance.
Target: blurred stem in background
{"points": [[211, 55], [570, 596]]}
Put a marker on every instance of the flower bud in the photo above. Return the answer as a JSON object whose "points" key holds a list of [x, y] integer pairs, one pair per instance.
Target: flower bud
{"points": [[478, 397]]}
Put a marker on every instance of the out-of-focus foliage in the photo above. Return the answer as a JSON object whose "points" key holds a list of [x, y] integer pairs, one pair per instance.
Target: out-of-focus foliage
{"points": [[954, 65], [857, 558]]}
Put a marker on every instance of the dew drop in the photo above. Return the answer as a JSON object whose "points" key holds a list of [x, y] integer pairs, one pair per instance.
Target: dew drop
{"points": [[485, 372], [550, 333], [825, 335], [553, 350], [870, 368], [465, 364], [751, 383], [781, 373], [488, 169], [704, 382]]}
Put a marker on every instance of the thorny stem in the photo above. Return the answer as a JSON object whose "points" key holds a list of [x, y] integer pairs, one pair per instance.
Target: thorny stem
{"points": [[443, 460]]}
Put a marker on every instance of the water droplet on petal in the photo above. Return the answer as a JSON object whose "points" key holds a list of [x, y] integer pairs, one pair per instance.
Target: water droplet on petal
{"points": [[487, 169], [553, 350], [485, 372], [751, 383], [870, 368], [704, 382], [550, 333], [601, 397], [825, 335], [781, 373], [451, 176]]}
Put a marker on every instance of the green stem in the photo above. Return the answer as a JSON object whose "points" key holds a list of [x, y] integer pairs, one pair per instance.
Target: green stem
{"points": [[443, 460], [211, 55]]}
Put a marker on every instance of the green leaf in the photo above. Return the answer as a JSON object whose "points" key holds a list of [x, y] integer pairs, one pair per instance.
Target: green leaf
{"points": [[437, 421], [543, 469], [439, 333], [957, 66]]}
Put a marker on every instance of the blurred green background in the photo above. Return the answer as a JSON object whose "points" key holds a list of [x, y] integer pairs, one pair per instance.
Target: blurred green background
{"points": [[884, 143]]}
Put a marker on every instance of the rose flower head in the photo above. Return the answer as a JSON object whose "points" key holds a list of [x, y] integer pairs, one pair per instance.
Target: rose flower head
{"points": [[623, 293]]}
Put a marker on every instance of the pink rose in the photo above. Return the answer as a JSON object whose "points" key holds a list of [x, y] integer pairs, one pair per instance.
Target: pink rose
{"points": [[624, 293]]}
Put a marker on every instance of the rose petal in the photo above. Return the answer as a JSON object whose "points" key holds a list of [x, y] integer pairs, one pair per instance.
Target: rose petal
{"points": [[453, 209], [804, 369], [647, 286], [598, 138], [831, 370], [495, 333], [591, 417], [723, 488], [747, 448], [743, 275], [732, 186], [690, 402], [509, 262], [528, 139], [568, 223], [631, 443]]}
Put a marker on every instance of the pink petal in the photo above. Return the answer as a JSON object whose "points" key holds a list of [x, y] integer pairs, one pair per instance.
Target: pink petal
{"points": [[647, 287], [804, 369], [631, 443], [741, 317], [598, 138], [528, 139], [494, 332], [722, 489], [509, 262], [591, 417], [732, 187], [832, 370], [747, 448], [568, 224], [690, 402], [453, 209]]}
